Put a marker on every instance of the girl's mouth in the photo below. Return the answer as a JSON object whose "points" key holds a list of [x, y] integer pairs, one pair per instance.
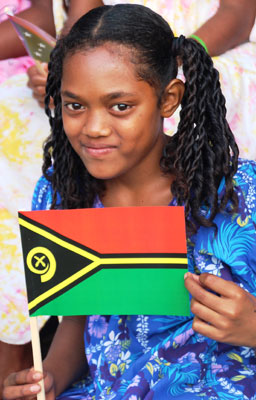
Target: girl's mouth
{"points": [[99, 151]]}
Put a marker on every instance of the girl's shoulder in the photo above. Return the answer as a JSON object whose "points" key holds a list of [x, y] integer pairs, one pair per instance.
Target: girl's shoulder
{"points": [[42, 196], [244, 183], [233, 244], [245, 186], [246, 173]]}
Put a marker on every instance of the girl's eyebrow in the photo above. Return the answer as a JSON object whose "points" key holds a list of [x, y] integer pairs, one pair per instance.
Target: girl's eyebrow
{"points": [[116, 95], [110, 96], [70, 94]]}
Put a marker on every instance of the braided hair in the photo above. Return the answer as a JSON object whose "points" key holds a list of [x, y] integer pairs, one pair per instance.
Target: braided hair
{"points": [[199, 154]]}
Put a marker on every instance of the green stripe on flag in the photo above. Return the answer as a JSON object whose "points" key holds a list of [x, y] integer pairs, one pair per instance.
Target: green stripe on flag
{"points": [[124, 291]]}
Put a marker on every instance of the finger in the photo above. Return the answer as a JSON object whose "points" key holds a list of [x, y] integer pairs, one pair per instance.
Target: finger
{"points": [[37, 80], [205, 329], [27, 376], [39, 90], [203, 296], [192, 276], [219, 285], [15, 392], [207, 315], [45, 67], [32, 71], [214, 333], [19, 378]]}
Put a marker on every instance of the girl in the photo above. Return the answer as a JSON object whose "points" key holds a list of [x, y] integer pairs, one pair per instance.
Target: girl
{"points": [[113, 81]]}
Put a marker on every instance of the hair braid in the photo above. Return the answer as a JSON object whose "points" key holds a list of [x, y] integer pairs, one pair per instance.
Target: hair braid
{"points": [[199, 152], [68, 170]]}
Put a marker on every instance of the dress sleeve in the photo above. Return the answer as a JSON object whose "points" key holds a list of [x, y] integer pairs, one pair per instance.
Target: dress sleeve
{"points": [[42, 197], [245, 185], [234, 243]]}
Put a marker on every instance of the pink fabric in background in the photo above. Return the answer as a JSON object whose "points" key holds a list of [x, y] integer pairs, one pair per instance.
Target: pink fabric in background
{"points": [[14, 66]]}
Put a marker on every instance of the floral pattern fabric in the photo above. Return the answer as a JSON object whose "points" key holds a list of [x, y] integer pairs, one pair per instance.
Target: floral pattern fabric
{"points": [[161, 357], [237, 67]]}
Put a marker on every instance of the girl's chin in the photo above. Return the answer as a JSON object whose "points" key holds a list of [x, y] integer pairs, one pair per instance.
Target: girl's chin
{"points": [[102, 175]]}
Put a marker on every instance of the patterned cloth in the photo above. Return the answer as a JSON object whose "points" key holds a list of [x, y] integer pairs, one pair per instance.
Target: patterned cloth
{"points": [[23, 128], [161, 357], [237, 67]]}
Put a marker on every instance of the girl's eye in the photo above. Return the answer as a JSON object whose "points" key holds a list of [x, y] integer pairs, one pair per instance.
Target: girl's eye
{"points": [[121, 107], [74, 106]]}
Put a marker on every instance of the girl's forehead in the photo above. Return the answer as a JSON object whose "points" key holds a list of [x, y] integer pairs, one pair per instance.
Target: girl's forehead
{"points": [[108, 60], [115, 51], [102, 70]]}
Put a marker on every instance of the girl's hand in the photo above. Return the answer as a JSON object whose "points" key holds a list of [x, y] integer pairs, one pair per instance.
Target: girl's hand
{"points": [[26, 385], [228, 315]]}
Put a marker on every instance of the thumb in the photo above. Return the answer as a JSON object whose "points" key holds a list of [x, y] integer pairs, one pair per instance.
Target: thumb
{"points": [[45, 67], [42, 68]]}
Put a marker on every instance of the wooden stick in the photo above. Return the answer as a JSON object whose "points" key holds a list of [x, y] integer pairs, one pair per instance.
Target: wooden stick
{"points": [[37, 356]]}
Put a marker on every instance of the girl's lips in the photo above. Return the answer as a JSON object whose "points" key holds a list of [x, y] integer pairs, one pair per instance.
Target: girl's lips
{"points": [[99, 151]]}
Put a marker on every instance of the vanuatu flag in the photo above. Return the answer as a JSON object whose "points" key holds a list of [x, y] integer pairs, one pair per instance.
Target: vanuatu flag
{"points": [[105, 261]]}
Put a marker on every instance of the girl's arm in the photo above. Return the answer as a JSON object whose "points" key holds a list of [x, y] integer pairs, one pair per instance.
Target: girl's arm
{"points": [[223, 311], [64, 363], [229, 27], [40, 14], [66, 359], [76, 9]]}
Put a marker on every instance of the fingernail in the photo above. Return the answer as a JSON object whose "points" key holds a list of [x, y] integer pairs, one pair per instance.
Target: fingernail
{"points": [[187, 274], [37, 375], [34, 388]]}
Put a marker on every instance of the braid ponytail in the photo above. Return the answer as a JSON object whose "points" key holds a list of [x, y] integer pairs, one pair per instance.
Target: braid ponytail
{"points": [[203, 150]]}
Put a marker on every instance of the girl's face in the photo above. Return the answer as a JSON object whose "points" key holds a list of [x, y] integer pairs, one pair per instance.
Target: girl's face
{"points": [[111, 118]]}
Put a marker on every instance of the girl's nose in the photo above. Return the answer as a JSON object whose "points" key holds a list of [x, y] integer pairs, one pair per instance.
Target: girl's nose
{"points": [[96, 125]]}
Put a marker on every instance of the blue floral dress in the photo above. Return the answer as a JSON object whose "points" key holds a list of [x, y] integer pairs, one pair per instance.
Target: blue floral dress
{"points": [[161, 357]]}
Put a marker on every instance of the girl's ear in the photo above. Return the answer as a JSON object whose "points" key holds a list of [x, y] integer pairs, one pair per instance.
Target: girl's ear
{"points": [[172, 97]]}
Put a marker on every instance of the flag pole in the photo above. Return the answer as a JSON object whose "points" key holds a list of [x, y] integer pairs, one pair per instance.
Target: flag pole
{"points": [[37, 356]]}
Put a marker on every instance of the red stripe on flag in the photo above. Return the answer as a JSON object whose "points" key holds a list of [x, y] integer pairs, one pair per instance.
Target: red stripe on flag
{"points": [[120, 230]]}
